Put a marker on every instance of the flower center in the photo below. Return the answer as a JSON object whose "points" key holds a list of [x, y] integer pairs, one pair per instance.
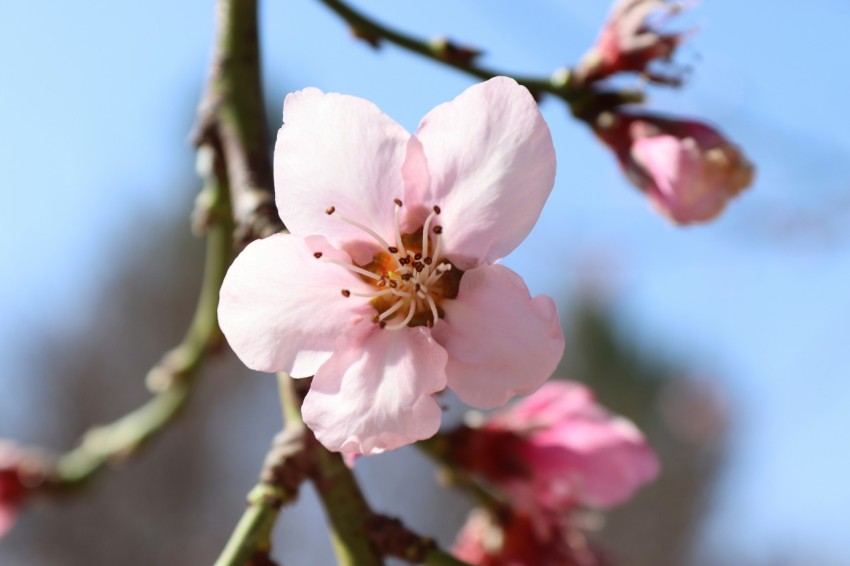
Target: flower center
{"points": [[411, 277]]}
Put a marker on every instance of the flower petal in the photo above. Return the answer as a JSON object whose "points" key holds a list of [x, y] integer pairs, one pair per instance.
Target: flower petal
{"points": [[282, 309], [492, 167], [555, 402], [341, 151], [606, 458], [500, 341], [376, 392]]}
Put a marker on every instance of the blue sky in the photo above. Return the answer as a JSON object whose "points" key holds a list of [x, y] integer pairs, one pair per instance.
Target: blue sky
{"points": [[94, 96]]}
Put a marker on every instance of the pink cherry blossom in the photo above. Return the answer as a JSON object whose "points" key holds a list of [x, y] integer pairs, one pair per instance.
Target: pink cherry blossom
{"points": [[386, 290], [688, 169], [630, 42], [557, 450]]}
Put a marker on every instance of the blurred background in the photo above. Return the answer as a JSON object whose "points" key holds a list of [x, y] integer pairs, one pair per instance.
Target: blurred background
{"points": [[726, 343]]}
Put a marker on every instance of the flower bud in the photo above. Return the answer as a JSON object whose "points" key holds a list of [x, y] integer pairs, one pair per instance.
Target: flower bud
{"points": [[688, 169], [557, 450], [629, 42], [517, 540]]}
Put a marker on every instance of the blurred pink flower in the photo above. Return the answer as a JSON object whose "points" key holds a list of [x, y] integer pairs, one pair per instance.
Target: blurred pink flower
{"points": [[386, 288], [557, 450], [688, 169], [629, 42], [18, 469], [517, 540]]}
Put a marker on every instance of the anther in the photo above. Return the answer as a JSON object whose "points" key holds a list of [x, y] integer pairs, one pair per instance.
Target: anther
{"points": [[428, 260], [437, 209], [346, 293], [382, 324], [438, 229], [393, 249], [417, 256], [406, 277], [330, 210], [393, 284], [317, 255], [397, 202]]}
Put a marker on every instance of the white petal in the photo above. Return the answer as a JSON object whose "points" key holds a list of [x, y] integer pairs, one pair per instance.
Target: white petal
{"points": [[341, 151], [281, 308], [492, 167], [500, 341], [376, 392]]}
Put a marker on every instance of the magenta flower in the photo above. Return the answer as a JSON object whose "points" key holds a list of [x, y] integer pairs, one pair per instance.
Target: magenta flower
{"points": [[630, 41], [688, 169], [386, 289], [557, 450]]}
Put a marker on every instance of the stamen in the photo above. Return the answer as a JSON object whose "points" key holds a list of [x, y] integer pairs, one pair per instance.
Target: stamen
{"points": [[425, 230], [366, 229], [408, 318], [317, 255], [330, 210], [438, 229], [433, 306], [390, 311], [355, 269], [438, 272], [346, 293], [398, 229], [371, 295], [438, 248]]}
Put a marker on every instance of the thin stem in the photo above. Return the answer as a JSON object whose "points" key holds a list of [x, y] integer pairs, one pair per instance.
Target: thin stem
{"points": [[437, 448], [173, 377], [252, 536], [434, 51]]}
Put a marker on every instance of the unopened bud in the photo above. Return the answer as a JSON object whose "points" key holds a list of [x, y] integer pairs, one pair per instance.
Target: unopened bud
{"points": [[688, 169], [448, 50], [630, 42]]}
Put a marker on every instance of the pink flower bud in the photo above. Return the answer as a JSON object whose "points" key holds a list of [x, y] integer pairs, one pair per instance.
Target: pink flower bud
{"points": [[558, 449], [688, 169], [517, 540], [629, 42]]}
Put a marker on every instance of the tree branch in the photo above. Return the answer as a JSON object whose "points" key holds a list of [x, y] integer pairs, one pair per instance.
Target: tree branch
{"points": [[232, 113], [441, 51], [172, 378], [583, 100]]}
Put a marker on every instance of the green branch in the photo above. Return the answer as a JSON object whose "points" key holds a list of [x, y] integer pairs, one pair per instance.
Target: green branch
{"points": [[172, 377], [284, 471], [232, 113]]}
